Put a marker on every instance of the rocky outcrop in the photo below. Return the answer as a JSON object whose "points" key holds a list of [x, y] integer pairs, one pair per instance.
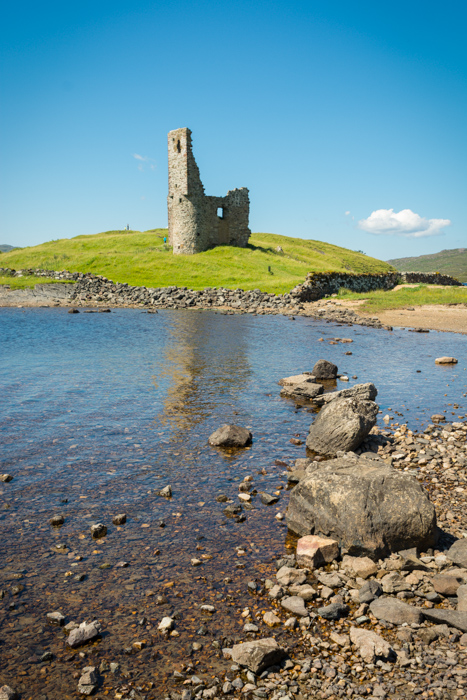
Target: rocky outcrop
{"points": [[367, 506], [341, 426]]}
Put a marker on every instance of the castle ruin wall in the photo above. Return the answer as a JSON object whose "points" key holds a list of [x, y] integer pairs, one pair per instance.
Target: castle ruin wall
{"points": [[198, 222]]}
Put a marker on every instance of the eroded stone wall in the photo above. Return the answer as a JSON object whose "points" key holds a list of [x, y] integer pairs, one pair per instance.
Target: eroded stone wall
{"points": [[198, 222]]}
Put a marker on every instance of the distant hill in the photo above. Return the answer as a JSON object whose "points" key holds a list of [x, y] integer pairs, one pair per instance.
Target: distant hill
{"points": [[6, 248], [449, 262], [271, 263]]}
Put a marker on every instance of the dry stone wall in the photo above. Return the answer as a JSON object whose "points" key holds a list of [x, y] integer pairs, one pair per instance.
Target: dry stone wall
{"points": [[198, 222], [320, 284]]}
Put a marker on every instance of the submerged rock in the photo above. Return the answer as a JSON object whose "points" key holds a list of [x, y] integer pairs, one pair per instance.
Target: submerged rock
{"points": [[84, 633]]}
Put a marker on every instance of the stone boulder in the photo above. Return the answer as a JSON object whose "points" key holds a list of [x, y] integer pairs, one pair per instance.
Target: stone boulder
{"points": [[446, 361], [314, 551], [395, 611], [370, 508], [306, 390], [305, 377], [364, 392], [258, 655], [341, 425], [230, 436], [84, 633], [324, 370]]}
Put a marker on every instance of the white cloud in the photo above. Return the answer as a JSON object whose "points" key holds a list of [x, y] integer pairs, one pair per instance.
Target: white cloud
{"points": [[347, 213], [138, 157], [404, 223]]}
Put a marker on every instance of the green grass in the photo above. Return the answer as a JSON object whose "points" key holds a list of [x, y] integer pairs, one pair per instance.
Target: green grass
{"points": [[449, 262], [140, 258], [28, 281], [407, 296]]}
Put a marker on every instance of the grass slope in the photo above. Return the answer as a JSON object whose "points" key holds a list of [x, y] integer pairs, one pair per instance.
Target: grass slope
{"points": [[450, 262], [140, 258], [407, 296]]}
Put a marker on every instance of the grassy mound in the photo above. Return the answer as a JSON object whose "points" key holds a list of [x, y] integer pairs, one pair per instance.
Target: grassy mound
{"points": [[141, 258]]}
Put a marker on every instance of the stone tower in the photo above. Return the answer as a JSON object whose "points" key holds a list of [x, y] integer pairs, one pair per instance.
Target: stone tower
{"points": [[196, 221]]}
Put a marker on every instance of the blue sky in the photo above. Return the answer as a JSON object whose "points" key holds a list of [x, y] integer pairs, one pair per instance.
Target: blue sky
{"points": [[346, 120]]}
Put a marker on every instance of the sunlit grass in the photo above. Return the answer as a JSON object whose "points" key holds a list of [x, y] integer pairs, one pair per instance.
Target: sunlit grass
{"points": [[27, 281], [407, 296], [141, 258]]}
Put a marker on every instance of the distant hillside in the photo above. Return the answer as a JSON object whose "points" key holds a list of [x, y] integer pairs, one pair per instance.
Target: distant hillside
{"points": [[6, 248], [271, 263], [450, 262]]}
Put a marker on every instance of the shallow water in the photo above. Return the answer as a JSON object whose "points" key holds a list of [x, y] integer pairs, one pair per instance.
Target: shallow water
{"points": [[100, 411]]}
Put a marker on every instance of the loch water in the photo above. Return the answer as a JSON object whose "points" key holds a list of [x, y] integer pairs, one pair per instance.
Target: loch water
{"points": [[98, 412]]}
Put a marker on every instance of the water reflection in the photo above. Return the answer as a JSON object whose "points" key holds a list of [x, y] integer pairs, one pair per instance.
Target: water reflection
{"points": [[200, 368]]}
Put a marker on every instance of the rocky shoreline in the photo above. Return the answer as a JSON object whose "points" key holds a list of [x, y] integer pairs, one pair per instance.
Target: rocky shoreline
{"points": [[91, 290], [345, 627]]}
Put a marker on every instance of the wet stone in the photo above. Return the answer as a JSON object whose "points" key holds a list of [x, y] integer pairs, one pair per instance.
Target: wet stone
{"points": [[119, 519], [56, 618], [98, 530], [57, 520]]}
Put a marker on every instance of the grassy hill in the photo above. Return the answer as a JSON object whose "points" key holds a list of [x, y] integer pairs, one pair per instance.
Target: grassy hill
{"points": [[450, 262], [140, 258]]}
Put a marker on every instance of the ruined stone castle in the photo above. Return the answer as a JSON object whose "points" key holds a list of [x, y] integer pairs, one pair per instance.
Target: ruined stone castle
{"points": [[197, 221]]}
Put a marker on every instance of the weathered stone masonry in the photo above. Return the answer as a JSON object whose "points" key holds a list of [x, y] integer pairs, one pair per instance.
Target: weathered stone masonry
{"points": [[198, 222]]}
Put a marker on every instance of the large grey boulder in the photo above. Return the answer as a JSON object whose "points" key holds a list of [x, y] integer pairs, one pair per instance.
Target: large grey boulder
{"points": [[258, 655], [324, 369], [341, 425], [364, 392], [230, 436], [369, 507]]}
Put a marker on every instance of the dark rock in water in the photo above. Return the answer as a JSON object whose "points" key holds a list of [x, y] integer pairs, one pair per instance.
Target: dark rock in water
{"points": [[233, 509], [56, 618], [458, 553], [230, 436], [57, 520], [341, 425], [334, 611], [166, 492], [367, 506], [258, 655], [324, 370], [73, 311], [6, 478], [395, 611], [98, 530], [364, 392], [119, 519], [267, 499]]}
